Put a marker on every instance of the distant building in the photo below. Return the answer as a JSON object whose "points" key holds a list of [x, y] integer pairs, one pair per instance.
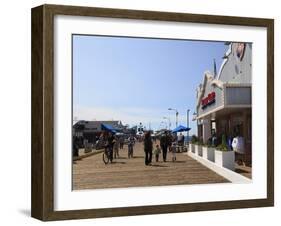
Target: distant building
{"points": [[224, 102], [91, 130]]}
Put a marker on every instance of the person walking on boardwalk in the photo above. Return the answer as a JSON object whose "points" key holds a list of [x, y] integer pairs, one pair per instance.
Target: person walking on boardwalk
{"points": [[131, 142], [157, 152], [116, 147], [174, 152], [148, 147], [121, 142], [75, 147], [164, 143], [181, 141]]}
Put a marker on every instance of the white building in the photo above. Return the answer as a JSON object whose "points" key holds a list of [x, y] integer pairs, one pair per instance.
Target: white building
{"points": [[224, 101]]}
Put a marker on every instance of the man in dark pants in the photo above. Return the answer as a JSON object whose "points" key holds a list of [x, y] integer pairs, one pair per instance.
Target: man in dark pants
{"points": [[164, 142], [148, 146]]}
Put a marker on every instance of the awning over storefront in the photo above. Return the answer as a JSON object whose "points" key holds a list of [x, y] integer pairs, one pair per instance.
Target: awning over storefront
{"points": [[181, 128]]}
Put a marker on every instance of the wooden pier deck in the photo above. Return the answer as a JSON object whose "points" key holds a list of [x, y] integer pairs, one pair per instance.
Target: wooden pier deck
{"points": [[92, 173]]}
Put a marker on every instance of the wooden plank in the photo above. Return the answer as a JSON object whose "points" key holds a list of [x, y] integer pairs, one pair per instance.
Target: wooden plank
{"points": [[92, 173]]}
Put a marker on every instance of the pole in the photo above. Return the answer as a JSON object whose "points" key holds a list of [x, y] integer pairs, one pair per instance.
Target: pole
{"points": [[177, 118], [187, 123], [169, 121], [177, 113]]}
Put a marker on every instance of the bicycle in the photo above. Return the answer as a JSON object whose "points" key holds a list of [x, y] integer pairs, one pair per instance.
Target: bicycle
{"points": [[106, 155]]}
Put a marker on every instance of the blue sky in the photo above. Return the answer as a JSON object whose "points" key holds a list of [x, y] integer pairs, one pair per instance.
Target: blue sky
{"points": [[136, 80]]}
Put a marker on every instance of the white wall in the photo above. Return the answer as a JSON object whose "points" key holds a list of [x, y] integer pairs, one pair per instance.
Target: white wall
{"points": [[15, 111]]}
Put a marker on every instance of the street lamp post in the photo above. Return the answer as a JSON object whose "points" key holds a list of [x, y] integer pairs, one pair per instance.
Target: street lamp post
{"points": [[187, 123], [194, 117], [168, 121], [177, 113], [164, 124]]}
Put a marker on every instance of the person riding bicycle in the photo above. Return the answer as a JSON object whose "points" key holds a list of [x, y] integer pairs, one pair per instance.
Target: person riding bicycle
{"points": [[110, 144], [131, 142]]}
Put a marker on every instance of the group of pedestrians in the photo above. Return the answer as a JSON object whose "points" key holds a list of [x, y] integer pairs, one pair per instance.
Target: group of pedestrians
{"points": [[113, 143], [165, 144]]}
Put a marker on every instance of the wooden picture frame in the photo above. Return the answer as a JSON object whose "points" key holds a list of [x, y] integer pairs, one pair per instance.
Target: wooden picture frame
{"points": [[42, 203]]}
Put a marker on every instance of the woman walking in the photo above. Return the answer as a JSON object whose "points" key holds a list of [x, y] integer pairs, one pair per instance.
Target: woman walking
{"points": [[131, 143], [121, 142], [116, 147], [148, 146]]}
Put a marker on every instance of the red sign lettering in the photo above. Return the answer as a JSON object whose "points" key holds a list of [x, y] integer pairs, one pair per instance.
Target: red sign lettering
{"points": [[208, 100]]}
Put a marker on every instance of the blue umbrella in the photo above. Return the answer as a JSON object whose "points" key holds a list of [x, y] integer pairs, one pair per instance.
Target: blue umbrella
{"points": [[180, 128], [108, 128]]}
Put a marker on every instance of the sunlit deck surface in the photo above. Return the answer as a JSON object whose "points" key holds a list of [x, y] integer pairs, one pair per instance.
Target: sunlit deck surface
{"points": [[92, 173]]}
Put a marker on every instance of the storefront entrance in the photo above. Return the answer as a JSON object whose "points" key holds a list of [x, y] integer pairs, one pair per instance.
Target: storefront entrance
{"points": [[230, 123]]}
